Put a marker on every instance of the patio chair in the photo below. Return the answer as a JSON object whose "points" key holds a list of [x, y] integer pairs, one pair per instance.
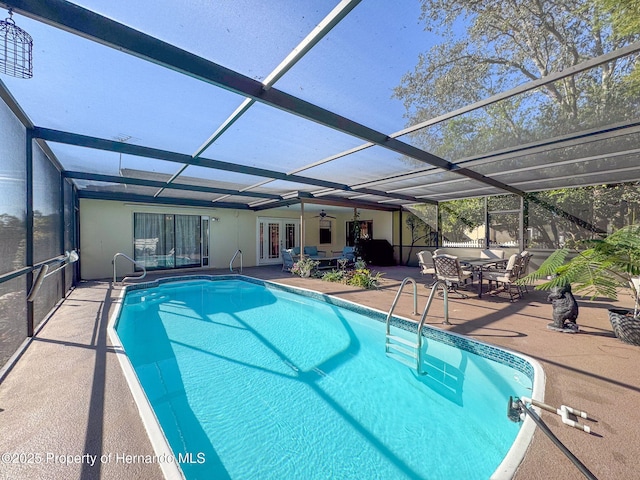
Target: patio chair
{"points": [[288, 259], [507, 276], [524, 266], [448, 270], [425, 262], [348, 253]]}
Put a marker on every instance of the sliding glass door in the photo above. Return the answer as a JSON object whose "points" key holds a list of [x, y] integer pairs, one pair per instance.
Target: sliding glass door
{"points": [[164, 241], [187, 241]]}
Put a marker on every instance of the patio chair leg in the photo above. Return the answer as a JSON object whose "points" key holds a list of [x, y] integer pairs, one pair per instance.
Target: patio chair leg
{"points": [[453, 288], [514, 295]]}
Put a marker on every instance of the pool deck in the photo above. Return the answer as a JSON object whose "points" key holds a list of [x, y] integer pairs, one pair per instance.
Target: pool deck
{"points": [[66, 398]]}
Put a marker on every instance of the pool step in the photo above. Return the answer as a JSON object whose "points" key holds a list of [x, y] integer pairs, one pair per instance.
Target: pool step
{"points": [[402, 359], [155, 298], [147, 299], [403, 350], [402, 340]]}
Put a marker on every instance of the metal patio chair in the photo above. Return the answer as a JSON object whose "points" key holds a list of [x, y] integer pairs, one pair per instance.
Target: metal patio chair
{"points": [[448, 270], [425, 262], [507, 276]]}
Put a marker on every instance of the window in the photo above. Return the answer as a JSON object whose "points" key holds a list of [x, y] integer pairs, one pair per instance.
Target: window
{"points": [[325, 231], [164, 241]]}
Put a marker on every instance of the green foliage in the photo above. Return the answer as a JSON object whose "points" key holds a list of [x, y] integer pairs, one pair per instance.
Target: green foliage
{"points": [[304, 267], [364, 278], [358, 277], [460, 216], [355, 234], [334, 276], [360, 264], [507, 43], [597, 271], [625, 19], [625, 16], [606, 207]]}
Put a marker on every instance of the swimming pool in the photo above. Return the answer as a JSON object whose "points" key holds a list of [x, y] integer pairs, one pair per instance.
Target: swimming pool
{"points": [[250, 379]]}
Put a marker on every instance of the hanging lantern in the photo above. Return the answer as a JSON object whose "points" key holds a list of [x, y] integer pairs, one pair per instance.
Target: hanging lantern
{"points": [[16, 49]]}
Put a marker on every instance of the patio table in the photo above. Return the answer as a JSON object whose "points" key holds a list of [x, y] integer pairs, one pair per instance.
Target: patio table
{"points": [[479, 265], [327, 262]]}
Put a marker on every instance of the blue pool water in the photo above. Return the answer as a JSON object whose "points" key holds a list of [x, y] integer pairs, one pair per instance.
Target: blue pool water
{"points": [[262, 383]]}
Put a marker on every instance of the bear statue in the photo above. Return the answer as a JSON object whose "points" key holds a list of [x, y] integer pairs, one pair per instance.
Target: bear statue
{"points": [[565, 309]]}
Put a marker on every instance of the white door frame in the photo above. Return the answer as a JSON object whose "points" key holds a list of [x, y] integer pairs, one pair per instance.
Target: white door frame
{"points": [[269, 253]]}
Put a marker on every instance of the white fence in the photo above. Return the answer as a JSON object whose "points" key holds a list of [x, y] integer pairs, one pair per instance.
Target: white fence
{"points": [[467, 244], [478, 244]]}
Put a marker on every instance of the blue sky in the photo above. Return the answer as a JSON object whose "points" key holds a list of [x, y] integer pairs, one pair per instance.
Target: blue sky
{"points": [[86, 88]]}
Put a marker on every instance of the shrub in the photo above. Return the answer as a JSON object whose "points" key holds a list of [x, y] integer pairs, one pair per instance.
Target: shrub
{"points": [[363, 277], [334, 276], [304, 267]]}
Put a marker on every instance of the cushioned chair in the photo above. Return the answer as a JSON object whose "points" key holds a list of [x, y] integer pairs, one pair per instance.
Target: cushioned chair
{"points": [[288, 259], [507, 276], [313, 252], [349, 254], [448, 270], [425, 262]]}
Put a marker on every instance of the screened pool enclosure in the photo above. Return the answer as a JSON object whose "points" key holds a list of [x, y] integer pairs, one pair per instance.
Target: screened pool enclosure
{"points": [[468, 124]]}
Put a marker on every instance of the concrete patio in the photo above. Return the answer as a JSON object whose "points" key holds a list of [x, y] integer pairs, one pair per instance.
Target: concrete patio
{"points": [[66, 396]]}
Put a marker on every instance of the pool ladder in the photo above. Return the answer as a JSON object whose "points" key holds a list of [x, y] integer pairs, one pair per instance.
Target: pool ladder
{"points": [[404, 350]]}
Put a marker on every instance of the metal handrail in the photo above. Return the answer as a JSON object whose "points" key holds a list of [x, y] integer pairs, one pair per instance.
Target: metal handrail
{"points": [[395, 300], [233, 258], [119, 254], [445, 298], [434, 289]]}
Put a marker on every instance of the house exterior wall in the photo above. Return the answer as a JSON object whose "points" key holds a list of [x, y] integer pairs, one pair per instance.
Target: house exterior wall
{"points": [[106, 228]]}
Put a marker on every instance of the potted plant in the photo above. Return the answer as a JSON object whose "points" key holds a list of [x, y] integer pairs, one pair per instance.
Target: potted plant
{"points": [[304, 267], [608, 265]]}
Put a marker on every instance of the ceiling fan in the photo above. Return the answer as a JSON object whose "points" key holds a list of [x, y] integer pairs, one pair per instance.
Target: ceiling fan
{"points": [[323, 214]]}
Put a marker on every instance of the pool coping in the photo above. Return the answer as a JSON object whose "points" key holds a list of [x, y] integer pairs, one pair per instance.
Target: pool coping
{"points": [[159, 442], [171, 469]]}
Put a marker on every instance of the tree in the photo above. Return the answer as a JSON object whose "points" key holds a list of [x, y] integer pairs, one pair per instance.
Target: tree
{"points": [[509, 42], [625, 19], [606, 207], [459, 217]]}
